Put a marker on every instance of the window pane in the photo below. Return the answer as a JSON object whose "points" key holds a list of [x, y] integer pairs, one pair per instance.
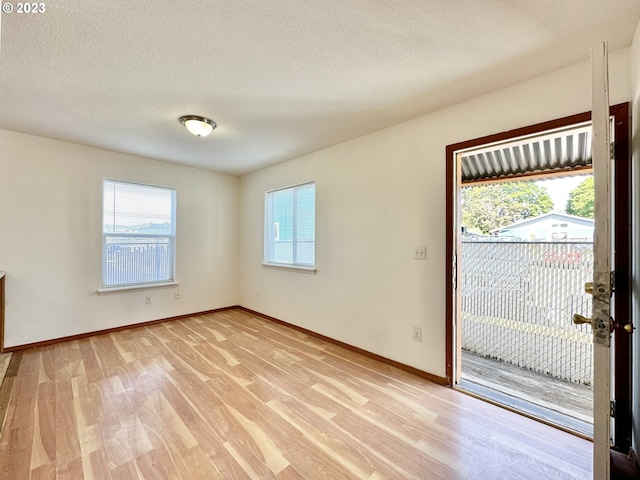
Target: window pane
{"points": [[291, 226], [137, 208], [306, 225], [131, 260], [282, 220], [138, 234]]}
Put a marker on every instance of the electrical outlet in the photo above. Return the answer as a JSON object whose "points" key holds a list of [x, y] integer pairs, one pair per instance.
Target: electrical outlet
{"points": [[147, 299], [420, 253], [416, 334], [176, 294]]}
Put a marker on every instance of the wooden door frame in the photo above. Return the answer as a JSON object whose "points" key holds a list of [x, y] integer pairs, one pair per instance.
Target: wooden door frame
{"points": [[622, 223]]}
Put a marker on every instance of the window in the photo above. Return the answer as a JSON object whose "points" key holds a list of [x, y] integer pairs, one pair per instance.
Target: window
{"points": [[290, 226], [138, 234]]}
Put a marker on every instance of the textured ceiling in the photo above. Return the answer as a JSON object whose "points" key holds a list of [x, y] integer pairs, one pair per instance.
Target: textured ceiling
{"points": [[281, 78]]}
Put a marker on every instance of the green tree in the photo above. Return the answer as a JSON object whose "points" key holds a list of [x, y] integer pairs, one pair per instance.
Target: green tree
{"points": [[580, 200], [487, 207]]}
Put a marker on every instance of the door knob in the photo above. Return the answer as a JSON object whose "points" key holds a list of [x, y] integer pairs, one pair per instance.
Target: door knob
{"points": [[629, 328], [600, 325]]}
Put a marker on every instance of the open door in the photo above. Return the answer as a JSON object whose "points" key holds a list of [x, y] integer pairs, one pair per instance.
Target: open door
{"points": [[611, 282], [611, 291], [610, 312], [601, 287]]}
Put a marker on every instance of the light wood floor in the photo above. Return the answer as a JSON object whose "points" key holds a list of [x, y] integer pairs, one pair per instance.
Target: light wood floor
{"points": [[233, 396]]}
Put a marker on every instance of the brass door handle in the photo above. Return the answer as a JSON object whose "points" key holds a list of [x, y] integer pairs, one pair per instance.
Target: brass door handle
{"points": [[580, 319], [629, 328]]}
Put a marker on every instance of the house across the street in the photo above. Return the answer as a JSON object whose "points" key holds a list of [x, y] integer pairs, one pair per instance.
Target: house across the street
{"points": [[549, 227]]}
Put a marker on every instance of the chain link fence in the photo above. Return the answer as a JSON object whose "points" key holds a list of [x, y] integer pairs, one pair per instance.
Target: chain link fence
{"points": [[518, 300]]}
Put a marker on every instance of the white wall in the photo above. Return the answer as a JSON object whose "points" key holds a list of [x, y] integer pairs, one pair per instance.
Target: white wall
{"points": [[50, 239], [635, 149], [377, 198]]}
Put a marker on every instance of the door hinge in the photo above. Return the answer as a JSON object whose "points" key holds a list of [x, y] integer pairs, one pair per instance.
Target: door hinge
{"points": [[612, 281], [620, 281], [612, 151], [612, 409]]}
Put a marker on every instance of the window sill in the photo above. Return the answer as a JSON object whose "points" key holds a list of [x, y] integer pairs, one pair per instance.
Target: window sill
{"points": [[107, 290], [284, 266]]}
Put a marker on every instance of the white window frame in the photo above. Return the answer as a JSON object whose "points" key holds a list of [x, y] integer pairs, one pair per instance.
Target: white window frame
{"points": [[273, 231], [171, 237]]}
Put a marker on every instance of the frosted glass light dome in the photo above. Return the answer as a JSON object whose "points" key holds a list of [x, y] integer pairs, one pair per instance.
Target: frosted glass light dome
{"points": [[199, 126]]}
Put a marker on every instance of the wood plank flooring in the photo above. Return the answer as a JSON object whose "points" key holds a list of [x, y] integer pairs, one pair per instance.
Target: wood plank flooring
{"points": [[233, 396]]}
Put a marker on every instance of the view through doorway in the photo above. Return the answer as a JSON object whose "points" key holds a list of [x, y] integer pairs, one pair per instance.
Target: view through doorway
{"points": [[526, 252], [540, 154], [521, 257]]}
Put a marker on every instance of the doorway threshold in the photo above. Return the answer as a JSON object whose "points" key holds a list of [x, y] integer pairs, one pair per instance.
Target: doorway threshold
{"points": [[563, 404]]}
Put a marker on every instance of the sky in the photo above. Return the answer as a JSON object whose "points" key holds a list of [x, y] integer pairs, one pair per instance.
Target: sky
{"points": [[559, 189]]}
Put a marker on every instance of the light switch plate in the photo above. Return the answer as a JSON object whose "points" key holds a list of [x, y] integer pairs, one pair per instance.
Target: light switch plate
{"points": [[420, 253]]}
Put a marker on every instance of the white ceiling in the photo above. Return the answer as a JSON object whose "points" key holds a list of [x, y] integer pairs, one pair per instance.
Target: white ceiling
{"points": [[280, 77]]}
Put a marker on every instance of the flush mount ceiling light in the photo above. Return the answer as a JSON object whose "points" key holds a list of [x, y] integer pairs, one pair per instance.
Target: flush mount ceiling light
{"points": [[199, 126]]}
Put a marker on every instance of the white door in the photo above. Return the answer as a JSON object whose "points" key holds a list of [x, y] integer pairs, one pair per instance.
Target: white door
{"points": [[600, 319]]}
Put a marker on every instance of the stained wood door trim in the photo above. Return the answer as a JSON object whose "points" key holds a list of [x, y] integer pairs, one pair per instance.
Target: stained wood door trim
{"points": [[2, 286], [621, 219]]}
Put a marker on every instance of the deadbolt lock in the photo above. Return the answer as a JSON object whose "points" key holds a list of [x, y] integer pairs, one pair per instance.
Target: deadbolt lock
{"points": [[601, 288]]}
